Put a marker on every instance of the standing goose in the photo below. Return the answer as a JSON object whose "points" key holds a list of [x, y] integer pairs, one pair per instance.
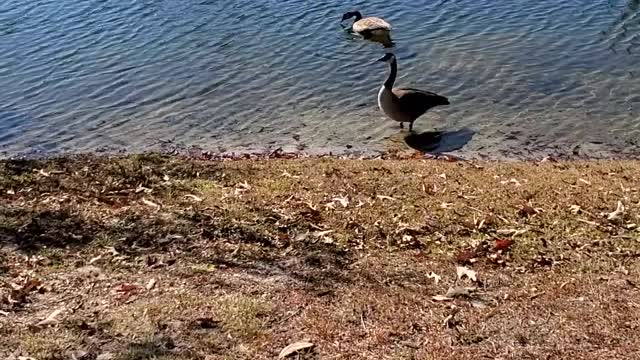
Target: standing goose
{"points": [[370, 28], [405, 104]]}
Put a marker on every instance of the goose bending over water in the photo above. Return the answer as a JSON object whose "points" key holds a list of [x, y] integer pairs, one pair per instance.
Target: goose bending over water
{"points": [[370, 28], [405, 104]]}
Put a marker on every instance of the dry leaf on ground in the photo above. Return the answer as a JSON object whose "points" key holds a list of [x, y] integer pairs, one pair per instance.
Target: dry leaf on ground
{"points": [[343, 200], [586, 182], [463, 271], [527, 210], [294, 348], [150, 203], [151, 284], [385, 197], [441, 298], [459, 291], [127, 288], [503, 244], [51, 319], [466, 256], [618, 214], [193, 197], [436, 278]]}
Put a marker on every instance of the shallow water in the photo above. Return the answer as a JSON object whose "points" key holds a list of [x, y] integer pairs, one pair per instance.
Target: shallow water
{"points": [[522, 77]]}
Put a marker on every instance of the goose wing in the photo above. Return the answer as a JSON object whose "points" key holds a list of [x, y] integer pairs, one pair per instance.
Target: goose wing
{"points": [[371, 24], [415, 102]]}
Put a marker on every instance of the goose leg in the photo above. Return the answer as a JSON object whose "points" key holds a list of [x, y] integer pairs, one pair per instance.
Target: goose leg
{"points": [[411, 126], [401, 125]]}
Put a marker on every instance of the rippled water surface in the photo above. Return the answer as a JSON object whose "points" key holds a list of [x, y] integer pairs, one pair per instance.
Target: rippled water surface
{"points": [[522, 76]]}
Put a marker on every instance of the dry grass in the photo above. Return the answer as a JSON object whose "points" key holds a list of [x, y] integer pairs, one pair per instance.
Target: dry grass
{"points": [[248, 256]]}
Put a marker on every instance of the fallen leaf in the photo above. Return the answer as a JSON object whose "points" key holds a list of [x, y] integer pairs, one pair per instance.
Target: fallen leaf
{"points": [[150, 203], [436, 278], [441, 298], [343, 200], [463, 271], [449, 321], [618, 214], [11, 192], [95, 259], [4, 313], [477, 303], [459, 291], [141, 188], [151, 284], [466, 256], [294, 348], [384, 197], [286, 174], [245, 185], [512, 181], [19, 293], [584, 181], [195, 198], [105, 356], [51, 319], [446, 205], [407, 238], [323, 233], [575, 209], [127, 288], [527, 210], [503, 244]]}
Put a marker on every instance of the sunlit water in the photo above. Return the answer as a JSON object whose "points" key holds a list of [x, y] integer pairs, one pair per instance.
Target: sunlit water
{"points": [[523, 77]]}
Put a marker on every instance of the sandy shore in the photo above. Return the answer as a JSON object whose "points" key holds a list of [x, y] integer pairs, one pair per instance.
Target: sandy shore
{"points": [[396, 256]]}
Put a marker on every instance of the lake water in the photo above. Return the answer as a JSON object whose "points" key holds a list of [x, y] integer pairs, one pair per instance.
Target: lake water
{"points": [[523, 77]]}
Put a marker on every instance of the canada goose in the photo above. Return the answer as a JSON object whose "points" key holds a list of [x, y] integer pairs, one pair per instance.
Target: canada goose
{"points": [[370, 28], [405, 104]]}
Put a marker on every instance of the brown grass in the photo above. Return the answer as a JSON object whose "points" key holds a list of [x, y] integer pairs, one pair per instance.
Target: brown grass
{"points": [[250, 256]]}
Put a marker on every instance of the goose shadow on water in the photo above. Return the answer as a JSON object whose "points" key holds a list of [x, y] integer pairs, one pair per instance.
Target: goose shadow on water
{"points": [[437, 142]]}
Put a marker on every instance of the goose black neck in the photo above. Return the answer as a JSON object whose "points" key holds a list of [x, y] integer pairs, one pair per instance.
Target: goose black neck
{"points": [[392, 74], [357, 15]]}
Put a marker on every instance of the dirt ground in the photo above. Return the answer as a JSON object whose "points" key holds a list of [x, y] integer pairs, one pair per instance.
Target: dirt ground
{"points": [[164, 257]]}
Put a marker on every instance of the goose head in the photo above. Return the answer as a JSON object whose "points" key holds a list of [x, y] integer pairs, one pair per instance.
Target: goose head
{"points": [[351, 14]]}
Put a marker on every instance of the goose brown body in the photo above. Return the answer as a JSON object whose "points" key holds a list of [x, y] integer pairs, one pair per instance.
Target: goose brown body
{"points": [[371, 28], [405, 104], [372, 25]]}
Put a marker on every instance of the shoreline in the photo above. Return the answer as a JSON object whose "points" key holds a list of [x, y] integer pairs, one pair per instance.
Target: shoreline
{"points": [[345, 152]]}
